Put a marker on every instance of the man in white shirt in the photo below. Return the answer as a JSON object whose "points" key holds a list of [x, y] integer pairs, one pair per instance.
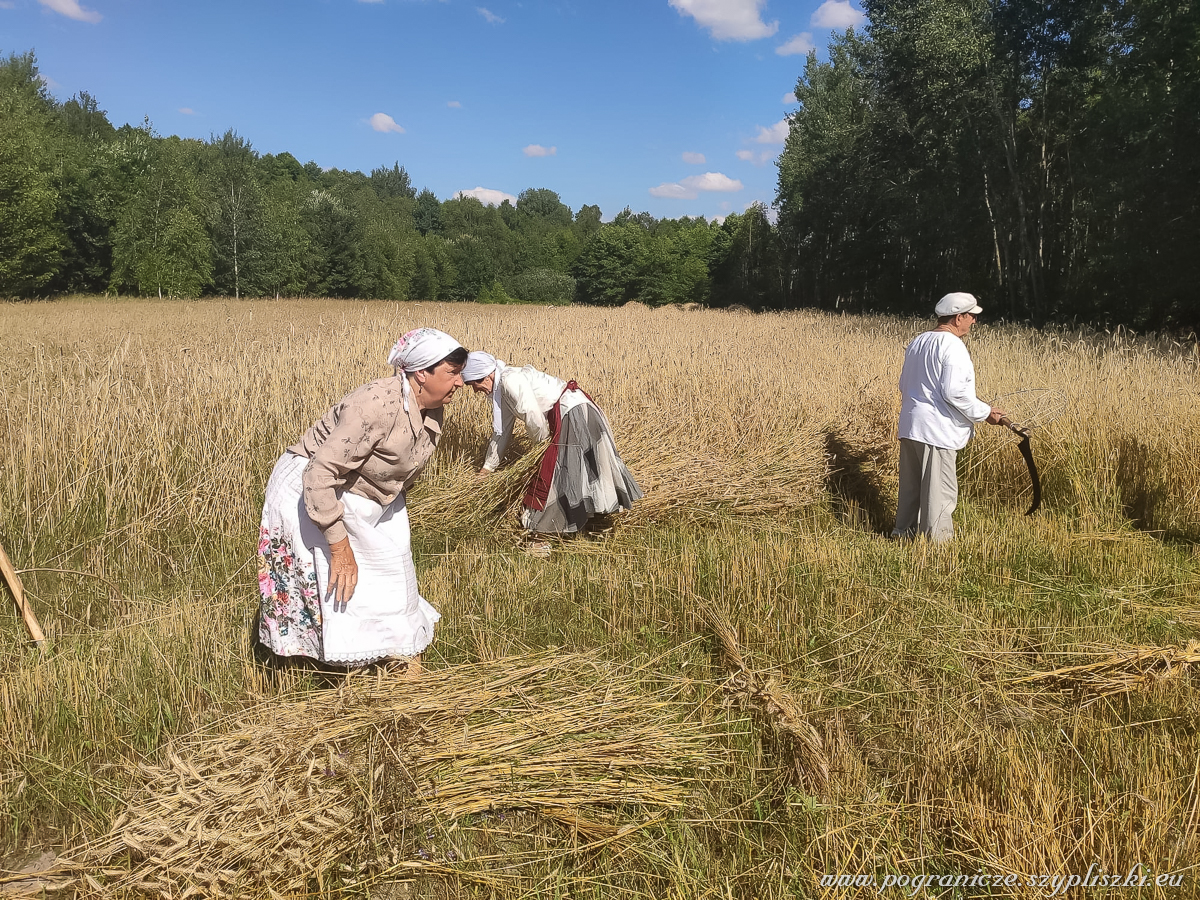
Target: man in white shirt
{"points": [[938, 412]]}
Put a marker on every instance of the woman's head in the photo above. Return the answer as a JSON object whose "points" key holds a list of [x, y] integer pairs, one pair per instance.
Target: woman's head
{"points": [[432, 363], [435, 385], [480, 371]]}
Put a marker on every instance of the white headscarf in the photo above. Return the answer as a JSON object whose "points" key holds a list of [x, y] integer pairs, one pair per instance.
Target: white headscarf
{"points": [[420, 349], [479, 366]]}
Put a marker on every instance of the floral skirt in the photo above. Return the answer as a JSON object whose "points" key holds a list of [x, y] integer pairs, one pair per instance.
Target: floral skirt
{"points": [[386, 617]]}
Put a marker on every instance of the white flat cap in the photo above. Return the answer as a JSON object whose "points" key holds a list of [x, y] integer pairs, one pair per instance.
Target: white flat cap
{"points": [[953, 304]]}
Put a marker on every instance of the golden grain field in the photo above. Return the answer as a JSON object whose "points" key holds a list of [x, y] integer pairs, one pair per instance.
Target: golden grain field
{"points": [[1020, 701]]}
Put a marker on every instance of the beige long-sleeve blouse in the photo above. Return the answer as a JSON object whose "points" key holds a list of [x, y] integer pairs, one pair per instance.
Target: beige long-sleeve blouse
{"points": [[366, 444]]}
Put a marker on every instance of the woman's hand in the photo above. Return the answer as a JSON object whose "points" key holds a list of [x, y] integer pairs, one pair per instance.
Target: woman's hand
{"points": [[343, 574], [484, 473]]}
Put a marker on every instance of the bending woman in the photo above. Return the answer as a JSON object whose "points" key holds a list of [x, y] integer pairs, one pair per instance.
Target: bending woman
{"points": [[580, 474], [336, 573]]}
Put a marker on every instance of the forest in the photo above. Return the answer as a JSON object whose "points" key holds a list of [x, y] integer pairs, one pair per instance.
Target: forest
{"points": [[1043, 154]]}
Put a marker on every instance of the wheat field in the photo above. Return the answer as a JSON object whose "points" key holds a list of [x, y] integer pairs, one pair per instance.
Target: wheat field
{"points": [[790, 695]]}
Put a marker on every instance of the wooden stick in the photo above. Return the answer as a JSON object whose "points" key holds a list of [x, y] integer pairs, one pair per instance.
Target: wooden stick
{"points": [[18, 592]]}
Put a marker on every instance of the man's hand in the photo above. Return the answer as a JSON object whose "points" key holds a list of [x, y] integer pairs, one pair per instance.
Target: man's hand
{"points": [[484, 473], [343, 574], [995, 416]]}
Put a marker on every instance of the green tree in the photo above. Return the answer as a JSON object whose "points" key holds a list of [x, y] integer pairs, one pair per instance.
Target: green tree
{"points": [[587, 222], [336, 266], [466, 216], [541, 286], [474, 266], [612, 264], [394, 182], [161, 245], [230, 172], [434, 276], [285, 244], [542, 209], [1140, 224], [745, 261], [89, 188], [427, 216], [32, 238]]}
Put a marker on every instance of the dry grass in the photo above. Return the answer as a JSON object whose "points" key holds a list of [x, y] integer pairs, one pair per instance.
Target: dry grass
{"points": [[1134, 669], [364, 778], [969, 706], [777, 711]]}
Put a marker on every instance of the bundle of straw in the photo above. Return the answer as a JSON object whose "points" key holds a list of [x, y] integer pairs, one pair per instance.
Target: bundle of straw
{"points": [[457, 498], [1124, 671], [777, 474], [289, 791], [682, 479], [773, 709]]}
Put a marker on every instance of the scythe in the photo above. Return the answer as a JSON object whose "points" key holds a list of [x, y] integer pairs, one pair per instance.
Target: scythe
{"points": [[1027, 453]]}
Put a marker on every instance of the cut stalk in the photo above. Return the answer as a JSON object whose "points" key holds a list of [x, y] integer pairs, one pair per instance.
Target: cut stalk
{"points": [[18, 592]]}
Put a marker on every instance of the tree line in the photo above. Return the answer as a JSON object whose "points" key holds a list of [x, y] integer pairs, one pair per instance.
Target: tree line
{"points": [[1042, 154], [86, 207]]}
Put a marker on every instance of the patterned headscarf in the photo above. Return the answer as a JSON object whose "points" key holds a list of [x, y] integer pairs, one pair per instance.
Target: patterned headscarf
{"points": [[420, 349], [479, 366]]}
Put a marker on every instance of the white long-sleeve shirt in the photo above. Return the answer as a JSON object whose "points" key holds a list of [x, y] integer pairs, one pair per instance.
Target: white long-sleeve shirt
{"points": [[938, 405], [528, 395]]}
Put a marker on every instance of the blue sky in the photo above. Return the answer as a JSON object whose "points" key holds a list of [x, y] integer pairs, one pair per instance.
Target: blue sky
{"points": [[675, 107]]}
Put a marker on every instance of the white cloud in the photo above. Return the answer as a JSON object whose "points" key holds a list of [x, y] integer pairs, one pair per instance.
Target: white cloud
{"points": [[728, 20], [693, 159], [539, 150], [801, 44], [689, 188], [187, 110], [7, 4], [487, 196], [673, 190], [776, 134], [757, 159], [385, 123], [837, 14], [790, 98], [713, 181], [454, 104], [72, 10], [492, 18]]}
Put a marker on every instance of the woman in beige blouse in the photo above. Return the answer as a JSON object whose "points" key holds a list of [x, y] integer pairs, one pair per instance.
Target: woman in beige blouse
{"points": [[336, 574]]}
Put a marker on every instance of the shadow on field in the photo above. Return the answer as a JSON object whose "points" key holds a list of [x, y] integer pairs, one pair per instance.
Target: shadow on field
{"points": [[1142, 484], [859, 490]]}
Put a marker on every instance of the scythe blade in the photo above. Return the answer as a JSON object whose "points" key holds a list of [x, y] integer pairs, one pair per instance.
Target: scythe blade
{"points": [[1027, 454]]}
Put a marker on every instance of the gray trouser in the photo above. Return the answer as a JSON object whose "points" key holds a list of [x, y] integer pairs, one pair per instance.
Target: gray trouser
{"points": [[928, 491]]}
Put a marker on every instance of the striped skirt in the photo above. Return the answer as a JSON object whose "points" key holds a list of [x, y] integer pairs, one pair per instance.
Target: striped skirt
{"points": [[588, 478]]}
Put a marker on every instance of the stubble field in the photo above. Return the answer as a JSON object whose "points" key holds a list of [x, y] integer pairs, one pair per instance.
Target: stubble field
{"points": [[737, 690]]}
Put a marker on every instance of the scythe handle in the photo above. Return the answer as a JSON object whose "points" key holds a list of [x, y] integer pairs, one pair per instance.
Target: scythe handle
{"points": [[18, 592], [1014, 427]]}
